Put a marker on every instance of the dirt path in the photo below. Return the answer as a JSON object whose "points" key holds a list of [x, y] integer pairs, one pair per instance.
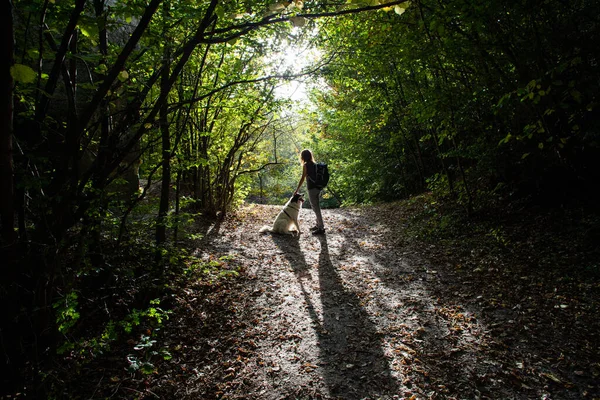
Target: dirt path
{"points": [[361, 314]]}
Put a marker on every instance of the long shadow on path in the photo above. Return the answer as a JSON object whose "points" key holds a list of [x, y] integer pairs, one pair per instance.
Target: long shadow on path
{"points": [[351, 357]]}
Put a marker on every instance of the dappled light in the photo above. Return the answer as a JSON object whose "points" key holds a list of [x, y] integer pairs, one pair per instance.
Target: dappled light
{"points": [[362, 312]]}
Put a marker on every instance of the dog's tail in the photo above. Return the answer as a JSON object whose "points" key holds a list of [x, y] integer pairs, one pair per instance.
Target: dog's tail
{"points": [[265, 229]]}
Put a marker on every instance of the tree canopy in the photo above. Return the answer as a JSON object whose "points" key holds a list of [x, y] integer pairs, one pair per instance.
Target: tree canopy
{"points": [[465, 98]]}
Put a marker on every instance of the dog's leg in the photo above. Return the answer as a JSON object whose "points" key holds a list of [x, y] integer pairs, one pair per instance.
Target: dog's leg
{"points": [[297, 226]]}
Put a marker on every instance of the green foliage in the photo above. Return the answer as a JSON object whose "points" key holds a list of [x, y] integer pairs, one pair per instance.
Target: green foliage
{"points": [[146, 353], [151, 319], [23, 73], [66, 312], [499, 236], [154, 316], [213, 270], [429, 95]]}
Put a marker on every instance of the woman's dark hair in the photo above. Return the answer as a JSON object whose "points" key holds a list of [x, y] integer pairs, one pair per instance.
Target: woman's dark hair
{"points": [[307, 156]]}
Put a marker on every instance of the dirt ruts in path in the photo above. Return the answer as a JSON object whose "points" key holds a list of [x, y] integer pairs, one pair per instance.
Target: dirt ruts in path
{"points": [[355, 314]]}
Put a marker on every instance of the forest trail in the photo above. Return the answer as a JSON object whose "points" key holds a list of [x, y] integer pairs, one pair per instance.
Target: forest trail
{"points": [[361, 313]]}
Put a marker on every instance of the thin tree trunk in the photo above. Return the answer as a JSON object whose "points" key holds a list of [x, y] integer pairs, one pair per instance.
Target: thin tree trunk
{"points": [[177, 204], [42, 107], [7, 212], [163, 208]]}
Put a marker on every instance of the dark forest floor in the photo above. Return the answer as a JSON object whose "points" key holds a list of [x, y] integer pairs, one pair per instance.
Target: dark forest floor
{"points": [[383, 306]]}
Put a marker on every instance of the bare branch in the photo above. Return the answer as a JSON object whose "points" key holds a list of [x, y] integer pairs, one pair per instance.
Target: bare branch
{"points": [[251, 171], [286, 77]]}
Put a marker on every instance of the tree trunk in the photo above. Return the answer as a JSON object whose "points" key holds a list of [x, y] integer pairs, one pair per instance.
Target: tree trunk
{"points": [[163, 208], [177, 205], [10, 336], [7, 212], [161, 227]]}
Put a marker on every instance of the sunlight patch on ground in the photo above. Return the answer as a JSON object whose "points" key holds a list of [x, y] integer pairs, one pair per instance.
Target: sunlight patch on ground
{"points": [[351, 309]]}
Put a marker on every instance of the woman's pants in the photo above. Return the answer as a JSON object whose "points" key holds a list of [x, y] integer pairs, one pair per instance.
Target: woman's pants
{"points": [[313, 196]]}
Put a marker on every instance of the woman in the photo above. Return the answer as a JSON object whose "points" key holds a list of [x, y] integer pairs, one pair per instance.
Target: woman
{"points": [[309, 173]]}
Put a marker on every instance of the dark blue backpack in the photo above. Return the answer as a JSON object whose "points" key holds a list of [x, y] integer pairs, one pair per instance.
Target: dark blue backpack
{"points": [[322, 175]]}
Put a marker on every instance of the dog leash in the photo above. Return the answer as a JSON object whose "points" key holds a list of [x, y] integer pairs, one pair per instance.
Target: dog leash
{"points": [[289, 216]]}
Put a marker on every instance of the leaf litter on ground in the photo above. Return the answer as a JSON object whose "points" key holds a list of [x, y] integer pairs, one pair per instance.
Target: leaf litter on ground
{"points": [[378, 309]]}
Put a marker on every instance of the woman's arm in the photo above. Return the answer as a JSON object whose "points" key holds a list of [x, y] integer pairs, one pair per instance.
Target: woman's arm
{"points": [[301, 179]]}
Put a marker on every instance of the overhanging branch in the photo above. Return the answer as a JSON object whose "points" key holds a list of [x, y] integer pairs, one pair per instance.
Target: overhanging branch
{"points": [[252, 171], [286, 77], [242, 29]]}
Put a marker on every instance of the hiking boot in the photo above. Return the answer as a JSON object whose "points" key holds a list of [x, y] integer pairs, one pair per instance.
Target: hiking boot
{"points": [[319, 231]]}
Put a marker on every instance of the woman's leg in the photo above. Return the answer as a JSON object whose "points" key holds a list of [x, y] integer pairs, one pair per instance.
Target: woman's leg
{"points": [[313, 196]]}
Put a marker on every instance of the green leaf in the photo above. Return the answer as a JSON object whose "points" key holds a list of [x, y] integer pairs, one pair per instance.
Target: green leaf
{"points": [[399, 10], [101, 69], [220, 12], [90, 31], [123, 76], [23, 73], [506, 139]]}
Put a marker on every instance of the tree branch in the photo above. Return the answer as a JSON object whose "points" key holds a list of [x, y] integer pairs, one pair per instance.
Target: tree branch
{"points": [[269, 20], [112, 75], [58, 61], [287, 77], [251, 171]]}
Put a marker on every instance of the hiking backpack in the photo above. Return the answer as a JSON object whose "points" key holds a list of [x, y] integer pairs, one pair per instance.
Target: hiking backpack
{"points": [[322, 175]]}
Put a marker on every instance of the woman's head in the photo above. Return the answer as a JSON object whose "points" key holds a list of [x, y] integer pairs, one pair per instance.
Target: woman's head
{"points": [[307, 156]]}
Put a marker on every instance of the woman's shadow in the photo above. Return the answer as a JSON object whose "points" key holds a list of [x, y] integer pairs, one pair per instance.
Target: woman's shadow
{"points": [[351, 352]]}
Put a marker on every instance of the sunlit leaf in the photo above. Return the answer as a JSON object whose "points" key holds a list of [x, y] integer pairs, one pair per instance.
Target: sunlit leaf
{"points": [[400, 8], [89, 31], [123, 76], [220, 12], [101, 69], [22, 73]]}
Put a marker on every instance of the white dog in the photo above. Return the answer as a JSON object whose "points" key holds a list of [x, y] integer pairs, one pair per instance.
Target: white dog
{"points": [[287, 217]]}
